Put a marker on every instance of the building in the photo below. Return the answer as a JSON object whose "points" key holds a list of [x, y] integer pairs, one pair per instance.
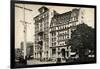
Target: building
{"points": [[52, 30], [60, 31], [18, 54], [42, 24], [29, 49]]}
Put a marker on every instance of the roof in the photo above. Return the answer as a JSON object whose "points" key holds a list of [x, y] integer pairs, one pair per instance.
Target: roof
{"points": [[59, 18], [43, 7], [41, 11]]}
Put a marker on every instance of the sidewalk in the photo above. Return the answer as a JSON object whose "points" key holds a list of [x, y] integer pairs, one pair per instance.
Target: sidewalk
{"points": [[32, 62]]}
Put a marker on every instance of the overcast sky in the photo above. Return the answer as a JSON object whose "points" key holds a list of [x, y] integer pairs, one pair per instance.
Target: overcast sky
{"points": [[29, 15]]}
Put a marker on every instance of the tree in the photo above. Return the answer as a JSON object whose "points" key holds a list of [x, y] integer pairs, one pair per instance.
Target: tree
{"points": [[82, 39]]}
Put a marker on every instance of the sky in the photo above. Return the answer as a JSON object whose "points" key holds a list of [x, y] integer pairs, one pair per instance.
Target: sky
{"points": [[29, 15]]}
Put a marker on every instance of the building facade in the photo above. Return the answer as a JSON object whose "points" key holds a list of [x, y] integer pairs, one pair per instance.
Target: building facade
{"points": [[29, 49], [42, 24], [60, 31], [52, 31]]}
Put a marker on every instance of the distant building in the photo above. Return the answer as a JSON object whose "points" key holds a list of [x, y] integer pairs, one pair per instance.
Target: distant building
{"points": [[29, 49], [18, 53], [60, 31]]}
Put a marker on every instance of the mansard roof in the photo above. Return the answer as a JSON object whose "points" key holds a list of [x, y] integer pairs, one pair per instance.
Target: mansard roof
{"points": [[59, 19], [42, 10]]}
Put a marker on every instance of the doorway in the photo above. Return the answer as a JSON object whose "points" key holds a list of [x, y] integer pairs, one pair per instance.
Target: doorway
{"points": [[63, 52]]}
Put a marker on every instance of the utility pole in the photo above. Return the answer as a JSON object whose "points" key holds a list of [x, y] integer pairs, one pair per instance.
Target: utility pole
{"points": [[82, 16], [25, 27]]}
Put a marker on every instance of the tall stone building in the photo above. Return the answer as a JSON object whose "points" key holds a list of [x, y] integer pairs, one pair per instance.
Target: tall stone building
{"points": [[60, 31], [52, 30], [42, 24]]}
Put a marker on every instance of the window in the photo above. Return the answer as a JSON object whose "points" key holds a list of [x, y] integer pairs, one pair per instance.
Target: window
{"points": [[55, 43], [67, 53], [53, 51], [52, 39], [52, 34], [52, 44]]}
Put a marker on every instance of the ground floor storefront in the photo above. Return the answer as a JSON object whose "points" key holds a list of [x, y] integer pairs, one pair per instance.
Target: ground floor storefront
{"points": [[58, 53]]}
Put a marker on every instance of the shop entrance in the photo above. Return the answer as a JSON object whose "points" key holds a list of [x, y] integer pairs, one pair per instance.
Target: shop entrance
{"points": [[63, 52]]}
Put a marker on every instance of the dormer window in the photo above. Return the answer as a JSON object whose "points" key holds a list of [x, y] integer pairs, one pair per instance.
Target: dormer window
{"points": [[43, 9]]}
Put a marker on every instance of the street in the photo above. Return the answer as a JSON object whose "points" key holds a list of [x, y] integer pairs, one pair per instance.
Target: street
{"points": [[32, 62]]}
